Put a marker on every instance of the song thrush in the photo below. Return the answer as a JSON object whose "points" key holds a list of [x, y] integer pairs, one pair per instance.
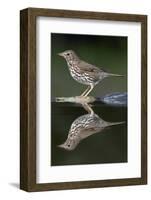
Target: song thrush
{"points": [[84, 72], [83, 127]]}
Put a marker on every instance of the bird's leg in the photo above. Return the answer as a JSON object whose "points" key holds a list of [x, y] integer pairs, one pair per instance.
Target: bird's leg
{"points": [[83, 94], [91, 88], [88, 108]]}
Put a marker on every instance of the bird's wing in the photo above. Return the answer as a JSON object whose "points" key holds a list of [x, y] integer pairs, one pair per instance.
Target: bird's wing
{"points": [[86, 132], [86, 67]]}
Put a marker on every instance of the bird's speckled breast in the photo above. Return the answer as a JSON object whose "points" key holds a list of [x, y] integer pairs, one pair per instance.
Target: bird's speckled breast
{"points": [[79, 76]]}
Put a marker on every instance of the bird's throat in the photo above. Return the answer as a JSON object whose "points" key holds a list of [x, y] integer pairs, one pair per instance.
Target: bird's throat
{"points": [[72, 63]]}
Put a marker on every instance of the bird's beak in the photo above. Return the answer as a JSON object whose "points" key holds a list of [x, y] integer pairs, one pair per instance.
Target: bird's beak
{"points": [[61, 146], [60, 54]]}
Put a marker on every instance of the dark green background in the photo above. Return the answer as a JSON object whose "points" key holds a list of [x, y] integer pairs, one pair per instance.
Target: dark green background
{"points": [[109, 146], [104, 51]]}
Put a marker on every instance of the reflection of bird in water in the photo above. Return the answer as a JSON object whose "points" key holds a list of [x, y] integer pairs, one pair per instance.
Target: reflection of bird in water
{"points": [[84, 72], [83, 127]]}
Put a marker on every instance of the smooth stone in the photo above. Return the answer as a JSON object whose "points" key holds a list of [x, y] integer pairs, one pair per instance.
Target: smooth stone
{"points": [[115, 99]]}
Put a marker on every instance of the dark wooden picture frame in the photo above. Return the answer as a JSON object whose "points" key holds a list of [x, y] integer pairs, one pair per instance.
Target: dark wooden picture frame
{"points": [[28, 99]]}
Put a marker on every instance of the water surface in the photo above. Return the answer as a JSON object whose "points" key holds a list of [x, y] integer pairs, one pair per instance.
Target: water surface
{"points": [[107, 146]]}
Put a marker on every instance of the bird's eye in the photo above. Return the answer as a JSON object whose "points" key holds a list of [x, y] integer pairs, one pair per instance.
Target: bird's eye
{"points": [[68, 54]]}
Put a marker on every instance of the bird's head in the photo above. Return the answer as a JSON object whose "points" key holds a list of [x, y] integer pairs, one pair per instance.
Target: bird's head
{"points": [[69, 55], [69, 146], [71, 142]]}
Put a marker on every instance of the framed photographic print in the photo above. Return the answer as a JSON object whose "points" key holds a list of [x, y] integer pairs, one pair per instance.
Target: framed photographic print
{"points": [[83, 99]]}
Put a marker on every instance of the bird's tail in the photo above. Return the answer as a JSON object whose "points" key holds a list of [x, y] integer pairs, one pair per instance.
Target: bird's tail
{"points": [[116, 123], [116, 75]]}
